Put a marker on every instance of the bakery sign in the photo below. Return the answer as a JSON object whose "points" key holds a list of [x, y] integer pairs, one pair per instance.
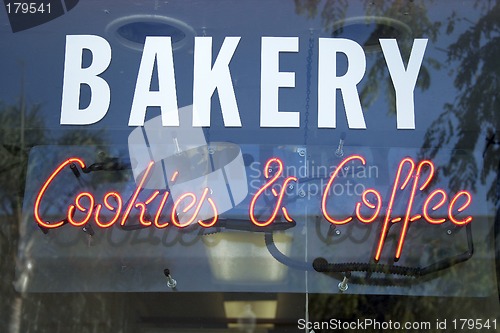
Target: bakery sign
{"points": [[181, 180], [207, 78], [411, 177]]}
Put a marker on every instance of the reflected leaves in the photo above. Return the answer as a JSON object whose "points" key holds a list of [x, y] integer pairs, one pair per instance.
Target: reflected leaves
{"points": [[473, 61], [411, 15], [22, 127], [473, 115]]}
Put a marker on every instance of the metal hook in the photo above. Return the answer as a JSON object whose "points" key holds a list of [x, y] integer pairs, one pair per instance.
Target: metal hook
{"points": [[343, 286], [340, 152], [171, 283]]}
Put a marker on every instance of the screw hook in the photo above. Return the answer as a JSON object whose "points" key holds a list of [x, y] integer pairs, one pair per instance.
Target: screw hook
{"points": [[171, 283], [343, 286], [340, 152]]}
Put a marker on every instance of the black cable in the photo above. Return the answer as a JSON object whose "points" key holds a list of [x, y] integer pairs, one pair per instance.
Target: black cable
{"points": [[282, 258]]}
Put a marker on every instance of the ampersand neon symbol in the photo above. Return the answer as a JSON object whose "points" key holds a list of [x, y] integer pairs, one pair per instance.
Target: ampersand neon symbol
{"points": [[272, 180]]}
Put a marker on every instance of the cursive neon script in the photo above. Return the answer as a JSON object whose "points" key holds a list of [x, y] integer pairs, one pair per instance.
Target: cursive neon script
{"points": [[411, 177], [188, 201]]}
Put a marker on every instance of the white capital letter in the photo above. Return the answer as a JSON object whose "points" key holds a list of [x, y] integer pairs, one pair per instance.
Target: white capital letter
{"points": [[404, 81], [207, 78], [75, 76], [272, 79], [159, 48], [329, 82]]}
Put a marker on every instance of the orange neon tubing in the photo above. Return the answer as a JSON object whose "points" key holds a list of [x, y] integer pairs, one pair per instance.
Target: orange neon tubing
{"points": [[270, 183], [369, 205], [158, 212], [385, 226], [174, 218], [136, 193], [286, 215], [415, 218], [462, 208], [142, 212], [174, 176], [406, 221], [45, 185], [425, 209], [327, 189], [71, 209], [142, 207], [214, 219], [117, 210]]}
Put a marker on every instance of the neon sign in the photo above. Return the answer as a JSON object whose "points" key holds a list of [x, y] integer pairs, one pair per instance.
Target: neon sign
{"points": [[411, 177], [401, 182], [189, 200], [280, 195]]}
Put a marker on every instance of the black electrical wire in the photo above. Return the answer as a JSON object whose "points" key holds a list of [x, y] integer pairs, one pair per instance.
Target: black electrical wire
{"points": [[282, 258]]}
